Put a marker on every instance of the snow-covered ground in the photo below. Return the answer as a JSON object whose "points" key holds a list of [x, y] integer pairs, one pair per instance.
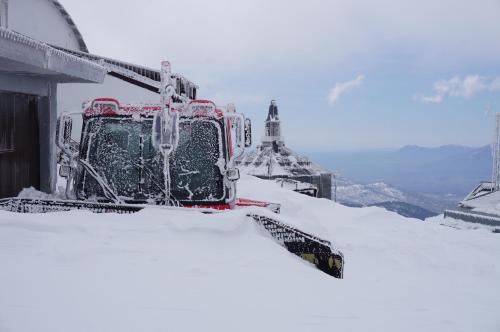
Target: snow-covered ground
{"points": [[186, 271]]}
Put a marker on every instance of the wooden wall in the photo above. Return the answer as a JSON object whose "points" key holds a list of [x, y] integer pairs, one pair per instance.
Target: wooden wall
{"points": [[19, 143]]}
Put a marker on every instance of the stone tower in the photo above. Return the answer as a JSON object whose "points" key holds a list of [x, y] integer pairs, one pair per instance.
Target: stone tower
{"points": [[272, 136]]}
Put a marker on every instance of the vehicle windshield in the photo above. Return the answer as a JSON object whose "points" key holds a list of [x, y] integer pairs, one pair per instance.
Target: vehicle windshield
{"points": [[120, 151], [194, 165]]}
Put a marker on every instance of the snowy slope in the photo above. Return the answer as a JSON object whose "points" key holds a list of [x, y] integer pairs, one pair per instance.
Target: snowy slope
{"points": [[367, 194], [158, 271], [353, 194]]}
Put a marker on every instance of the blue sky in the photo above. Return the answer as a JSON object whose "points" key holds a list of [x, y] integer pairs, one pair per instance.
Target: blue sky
{"points": [[406, 72]]}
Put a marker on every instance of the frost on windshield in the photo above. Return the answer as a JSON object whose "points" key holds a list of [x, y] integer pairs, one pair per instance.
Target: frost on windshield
{"points": [[194, 168], [120, 151]]}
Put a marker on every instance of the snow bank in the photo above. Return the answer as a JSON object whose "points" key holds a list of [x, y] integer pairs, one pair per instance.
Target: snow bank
{"points": [[461, 224], [159, 271], [32, 193]]}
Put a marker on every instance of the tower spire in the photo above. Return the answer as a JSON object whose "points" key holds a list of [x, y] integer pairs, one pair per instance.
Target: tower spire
{"points": [[496, 154], [273, 127], [273, 111]]}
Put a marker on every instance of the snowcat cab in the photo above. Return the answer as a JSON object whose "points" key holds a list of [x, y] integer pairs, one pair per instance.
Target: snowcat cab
{"points": [[117, 160]]}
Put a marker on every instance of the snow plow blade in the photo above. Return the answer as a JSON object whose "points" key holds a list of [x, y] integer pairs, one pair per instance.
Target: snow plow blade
{"points": [[310, 248]]}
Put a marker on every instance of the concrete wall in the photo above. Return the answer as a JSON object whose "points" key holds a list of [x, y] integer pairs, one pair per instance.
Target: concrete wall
{"points": [[326, 185], [4, 11], [41, 20], [322, 181]]}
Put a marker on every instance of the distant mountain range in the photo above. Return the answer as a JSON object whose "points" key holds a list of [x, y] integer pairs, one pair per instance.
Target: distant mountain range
{"points": [[447, 172], [413, 181]]}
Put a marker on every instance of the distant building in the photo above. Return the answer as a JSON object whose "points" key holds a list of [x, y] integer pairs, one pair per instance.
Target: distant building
{"points": [[30, 72], [273, 160], [272, 136], [482, 205]]}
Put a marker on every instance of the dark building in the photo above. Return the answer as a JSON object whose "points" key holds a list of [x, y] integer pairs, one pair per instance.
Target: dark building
{"points": [[273, 160], [30, 72]]}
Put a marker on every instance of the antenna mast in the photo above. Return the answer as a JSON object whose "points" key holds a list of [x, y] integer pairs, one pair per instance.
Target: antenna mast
{"points": [[496, 155]]}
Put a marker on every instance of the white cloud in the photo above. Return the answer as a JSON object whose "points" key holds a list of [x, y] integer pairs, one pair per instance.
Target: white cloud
{"points": [[428, 99], [495, 84], [467, 87], [344, 87]]}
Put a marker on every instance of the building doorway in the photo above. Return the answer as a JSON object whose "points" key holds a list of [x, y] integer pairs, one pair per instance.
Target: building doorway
{"points": [[19, 143]]}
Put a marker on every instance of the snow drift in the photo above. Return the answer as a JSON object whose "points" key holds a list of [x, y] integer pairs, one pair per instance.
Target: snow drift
{"points": [[158, 271]]}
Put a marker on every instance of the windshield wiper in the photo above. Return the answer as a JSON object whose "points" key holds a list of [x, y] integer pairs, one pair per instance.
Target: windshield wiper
{"points": [[156, 181], [108, 192]]}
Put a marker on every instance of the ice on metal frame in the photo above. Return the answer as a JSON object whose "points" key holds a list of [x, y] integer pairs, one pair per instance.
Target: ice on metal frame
{"points": [[496, 154]]}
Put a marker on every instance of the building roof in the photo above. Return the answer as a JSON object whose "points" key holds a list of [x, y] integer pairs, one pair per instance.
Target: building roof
{"points": [[71, 23], [272, 158], [22, 55], [264, 161]]}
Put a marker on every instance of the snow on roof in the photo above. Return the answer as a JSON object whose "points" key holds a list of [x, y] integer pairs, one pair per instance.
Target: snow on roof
{"points": [[142, 76], [272, 158], [48, 60], [71, 23], [489, 203], [264, 161]]}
